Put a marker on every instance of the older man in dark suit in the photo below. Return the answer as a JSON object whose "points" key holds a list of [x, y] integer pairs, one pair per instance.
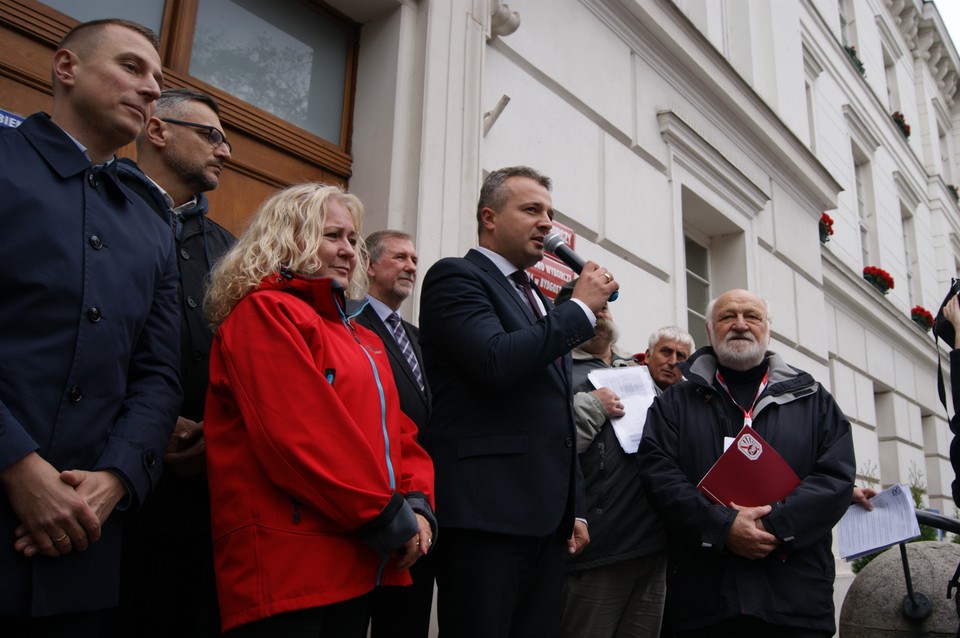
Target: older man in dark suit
{"points": [[501, 433], [399, 612]]}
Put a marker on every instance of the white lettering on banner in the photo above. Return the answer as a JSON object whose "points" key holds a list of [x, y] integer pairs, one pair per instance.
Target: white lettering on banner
{"points": [[9, 119], [548, 286], [566, 233]]}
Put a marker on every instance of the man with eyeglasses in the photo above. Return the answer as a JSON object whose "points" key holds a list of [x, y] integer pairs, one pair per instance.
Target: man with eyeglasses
{"points": [[167, 548]]}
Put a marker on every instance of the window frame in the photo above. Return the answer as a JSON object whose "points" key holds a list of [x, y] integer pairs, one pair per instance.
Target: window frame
{"points": [[48, 25]]}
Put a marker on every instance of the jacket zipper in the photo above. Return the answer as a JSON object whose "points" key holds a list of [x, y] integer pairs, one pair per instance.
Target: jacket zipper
{"points": [[602, 449]]}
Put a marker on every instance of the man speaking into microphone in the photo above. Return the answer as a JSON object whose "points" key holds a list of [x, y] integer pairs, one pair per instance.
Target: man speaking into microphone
{"points": [[501, 432]]}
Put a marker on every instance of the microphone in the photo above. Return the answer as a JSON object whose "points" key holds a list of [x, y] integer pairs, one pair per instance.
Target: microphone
{"points": [[554, 243]]}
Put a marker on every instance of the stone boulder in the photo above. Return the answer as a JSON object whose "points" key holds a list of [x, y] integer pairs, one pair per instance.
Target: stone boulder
{"points": [[873, 607]]}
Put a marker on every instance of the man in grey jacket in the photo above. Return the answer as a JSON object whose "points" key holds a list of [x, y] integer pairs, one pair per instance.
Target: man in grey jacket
{"points": [[616, 587]]}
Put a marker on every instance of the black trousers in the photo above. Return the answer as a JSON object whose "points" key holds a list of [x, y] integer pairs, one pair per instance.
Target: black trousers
{"points": [[404, 612], [499, 585], [751, 627], [88, 624], [348, 619]]}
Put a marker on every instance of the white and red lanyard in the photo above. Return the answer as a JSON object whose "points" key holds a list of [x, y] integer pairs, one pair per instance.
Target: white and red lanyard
{"points": [[747, 414]]}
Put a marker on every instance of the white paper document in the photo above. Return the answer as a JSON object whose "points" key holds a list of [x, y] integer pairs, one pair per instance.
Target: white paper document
{"points": [[634, 386], [892, 521]]}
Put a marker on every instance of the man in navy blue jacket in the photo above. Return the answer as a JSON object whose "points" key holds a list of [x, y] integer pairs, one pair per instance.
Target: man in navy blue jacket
{"points": [[89, 385], [501, 433]]}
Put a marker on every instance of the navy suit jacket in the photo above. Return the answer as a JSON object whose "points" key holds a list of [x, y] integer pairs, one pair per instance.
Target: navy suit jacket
{"points": [[414, 402], [501, 433]]}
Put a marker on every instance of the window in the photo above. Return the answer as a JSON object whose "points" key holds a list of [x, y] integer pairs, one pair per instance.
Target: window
{"points": [[291, 58], [811, 71], [865, 216], [718, 204], [946, 165], [283, 74], [698, 288], [847, 25], [890, 72], [288, 62], [910, 255], [149, 13]]}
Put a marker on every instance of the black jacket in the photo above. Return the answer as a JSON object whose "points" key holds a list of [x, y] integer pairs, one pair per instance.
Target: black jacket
{"points": [[955, 422], [181, 505], [682, 439], [414, 402], [501, 431], [623, 525], [200, 243]]}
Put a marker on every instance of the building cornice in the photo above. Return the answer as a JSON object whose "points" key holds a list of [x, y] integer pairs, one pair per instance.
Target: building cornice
{"points": [[700, 157], [923, 30], [660, 34], [861, 133]]}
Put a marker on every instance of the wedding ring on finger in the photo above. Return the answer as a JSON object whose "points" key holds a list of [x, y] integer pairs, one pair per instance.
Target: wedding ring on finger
{"points": [[57, 540], [609, 278]]}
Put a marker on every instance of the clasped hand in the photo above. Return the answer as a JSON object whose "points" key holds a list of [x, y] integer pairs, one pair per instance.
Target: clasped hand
{"points": [[418, 545], [60, 511], [747, 536]]}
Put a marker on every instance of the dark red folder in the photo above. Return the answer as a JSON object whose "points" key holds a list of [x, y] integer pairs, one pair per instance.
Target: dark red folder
{"points": [[749, 473]]}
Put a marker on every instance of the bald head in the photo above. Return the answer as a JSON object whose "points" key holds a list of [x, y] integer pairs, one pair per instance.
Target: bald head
{"points": [[738, 326]]}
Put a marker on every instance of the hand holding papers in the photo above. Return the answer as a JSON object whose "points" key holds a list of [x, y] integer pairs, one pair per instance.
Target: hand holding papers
{"points": [[635, 388], [892, 520], [749, 473]]}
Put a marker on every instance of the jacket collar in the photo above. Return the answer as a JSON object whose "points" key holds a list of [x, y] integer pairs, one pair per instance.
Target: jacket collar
{"points": [[54, 145], [62, 154], [701, 368], [130, 173], [324, 294]]}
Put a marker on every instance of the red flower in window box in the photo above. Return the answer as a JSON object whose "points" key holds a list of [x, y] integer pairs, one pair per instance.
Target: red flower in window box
{"points": [[826, 228], [879, 278], [922, 317], [901, 122]]}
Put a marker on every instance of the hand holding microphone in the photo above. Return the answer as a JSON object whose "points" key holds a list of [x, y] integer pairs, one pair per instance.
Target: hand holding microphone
{"points": [[594, 280]]}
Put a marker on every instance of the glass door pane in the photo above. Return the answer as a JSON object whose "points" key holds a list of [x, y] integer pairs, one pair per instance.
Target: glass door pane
{"points": [[149, 13], [281, 56]]}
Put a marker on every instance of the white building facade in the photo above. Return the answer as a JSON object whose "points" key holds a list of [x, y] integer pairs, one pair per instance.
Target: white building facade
{"points": [[694, 145]]}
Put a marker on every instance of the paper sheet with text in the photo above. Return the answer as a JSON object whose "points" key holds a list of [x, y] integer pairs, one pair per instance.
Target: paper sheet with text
{"points": [[892, 521], [634, 386]]}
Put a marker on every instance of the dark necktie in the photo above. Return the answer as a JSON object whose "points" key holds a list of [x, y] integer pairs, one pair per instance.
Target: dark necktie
{"points": [[393, 320], [521, 278]]}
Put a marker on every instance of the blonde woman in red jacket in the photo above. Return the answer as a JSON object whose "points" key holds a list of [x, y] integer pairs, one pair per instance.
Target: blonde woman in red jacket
{"points": [[318, 489]]}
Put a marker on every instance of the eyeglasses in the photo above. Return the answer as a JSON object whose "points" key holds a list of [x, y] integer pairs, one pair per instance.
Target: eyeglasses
{"points": [[214, 135]]}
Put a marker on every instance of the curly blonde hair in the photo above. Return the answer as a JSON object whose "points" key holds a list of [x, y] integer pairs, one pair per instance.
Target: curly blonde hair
{"points": [[285, 233]]}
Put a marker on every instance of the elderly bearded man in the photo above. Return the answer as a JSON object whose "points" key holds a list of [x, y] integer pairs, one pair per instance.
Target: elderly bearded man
{"points": [[747, 571]]}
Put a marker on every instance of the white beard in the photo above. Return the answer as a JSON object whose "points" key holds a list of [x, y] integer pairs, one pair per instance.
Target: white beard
{"points": [[736, 353]]}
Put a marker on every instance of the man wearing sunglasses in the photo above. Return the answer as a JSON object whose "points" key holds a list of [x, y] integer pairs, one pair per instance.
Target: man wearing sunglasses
{"points": [[180, 155]]}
